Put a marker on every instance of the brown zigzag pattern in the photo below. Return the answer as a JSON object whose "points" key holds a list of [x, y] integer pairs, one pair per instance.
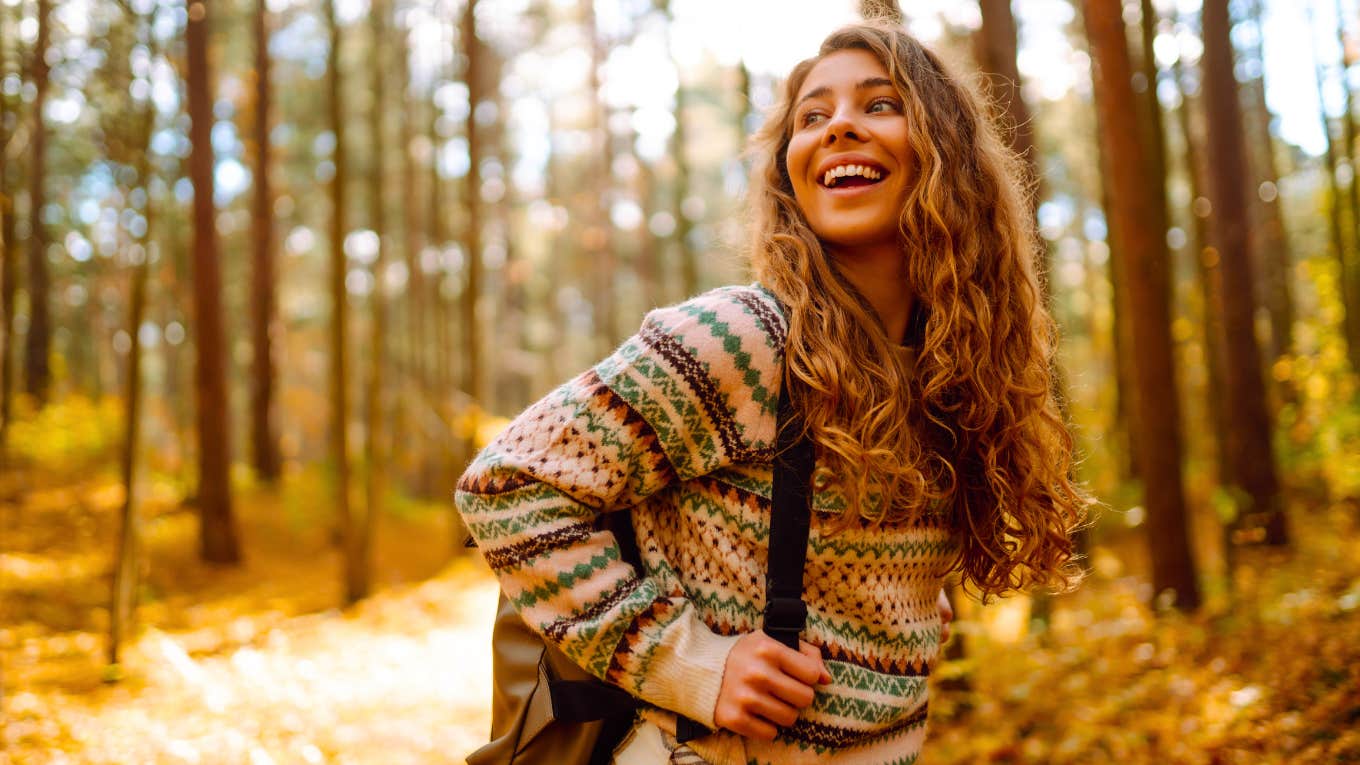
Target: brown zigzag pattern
{"points": [[882, 665], [632, 635], [490, 483], [640, 431], [774, 324], [515, 554], [835, 737], [558, 629], [699, 381]]}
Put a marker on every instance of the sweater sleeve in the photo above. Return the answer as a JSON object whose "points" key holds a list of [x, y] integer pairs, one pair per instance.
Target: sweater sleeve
{"points": [[695, 389]]}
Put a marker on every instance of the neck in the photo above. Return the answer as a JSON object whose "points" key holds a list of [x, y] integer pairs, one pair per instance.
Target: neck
{"points": [[876, 271]]}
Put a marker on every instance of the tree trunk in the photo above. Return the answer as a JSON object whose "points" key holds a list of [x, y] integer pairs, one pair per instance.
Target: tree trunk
{"points": [[1251, 459], [599, 245], [123, 599], [1348, 132], [472, 199], [263, 431], [995, 48], [1275, 259], [375, 399], [217, 532], [339, 388], [1350, 301], [1206, 259], [1156, 409], [9, 255], [37, 343]]}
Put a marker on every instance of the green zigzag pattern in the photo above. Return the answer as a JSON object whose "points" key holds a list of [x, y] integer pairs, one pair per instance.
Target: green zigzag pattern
{"points": [[913, 640], [863, 710], [732, 343], [869, 681], [566, 579]]}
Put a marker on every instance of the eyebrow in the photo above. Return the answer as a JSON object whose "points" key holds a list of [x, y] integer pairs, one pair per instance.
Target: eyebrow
{"points": [[872, 82]]}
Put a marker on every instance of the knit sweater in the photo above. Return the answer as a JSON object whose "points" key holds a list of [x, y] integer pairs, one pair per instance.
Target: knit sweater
{"points": [[679, 425]]}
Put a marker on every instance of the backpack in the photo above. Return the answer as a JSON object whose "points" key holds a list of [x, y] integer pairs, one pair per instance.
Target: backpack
{"points": [[546, 710]]}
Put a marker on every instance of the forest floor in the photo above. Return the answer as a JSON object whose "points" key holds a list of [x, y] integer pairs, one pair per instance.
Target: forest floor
{"points": [[257, 664]]}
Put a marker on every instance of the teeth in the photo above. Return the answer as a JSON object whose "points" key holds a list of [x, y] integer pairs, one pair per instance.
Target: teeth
{"points": [[829, 178]]}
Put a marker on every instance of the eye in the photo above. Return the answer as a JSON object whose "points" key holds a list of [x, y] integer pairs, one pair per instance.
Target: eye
{"points": [[885, 104], [810, 118]]}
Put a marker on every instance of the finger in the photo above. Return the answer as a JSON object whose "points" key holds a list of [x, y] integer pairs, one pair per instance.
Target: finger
{"points": [[753, 727], [772, 709], [789, 690], [817, 672]]}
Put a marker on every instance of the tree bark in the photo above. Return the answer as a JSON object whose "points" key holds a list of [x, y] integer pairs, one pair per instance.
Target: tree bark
{"points": [[1346, 269], [375, 399], [1156, 409], [1348, 132], [349, 529], [1206, 259], [599, 243], [995, 48], [472, 200], [1251, 458], [9, 256], [1275, 260], [217, 532], [123, 598], [263, 430], [37, 343]]}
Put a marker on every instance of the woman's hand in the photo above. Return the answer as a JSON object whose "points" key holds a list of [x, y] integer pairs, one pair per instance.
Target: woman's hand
{"points": [[765, 683], [946, 615]]}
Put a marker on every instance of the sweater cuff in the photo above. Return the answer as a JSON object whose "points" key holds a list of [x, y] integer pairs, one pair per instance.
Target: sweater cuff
{"points": [[687, 675]]}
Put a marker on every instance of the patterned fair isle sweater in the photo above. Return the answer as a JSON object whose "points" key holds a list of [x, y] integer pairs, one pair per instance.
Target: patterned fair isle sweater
{"points": [[679, 424]]}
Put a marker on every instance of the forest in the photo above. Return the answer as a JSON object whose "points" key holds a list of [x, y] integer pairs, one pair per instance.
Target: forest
{"points": [[275, 270]]}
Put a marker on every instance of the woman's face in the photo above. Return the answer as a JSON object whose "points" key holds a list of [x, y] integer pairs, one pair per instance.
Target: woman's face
{"points": [[848, 157]]}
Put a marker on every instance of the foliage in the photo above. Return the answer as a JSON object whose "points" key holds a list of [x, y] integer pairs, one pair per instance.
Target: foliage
{"points": [[75, 431]]}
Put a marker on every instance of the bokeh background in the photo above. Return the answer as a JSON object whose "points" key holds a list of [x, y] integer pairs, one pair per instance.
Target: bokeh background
{"points": [[274, 269]]}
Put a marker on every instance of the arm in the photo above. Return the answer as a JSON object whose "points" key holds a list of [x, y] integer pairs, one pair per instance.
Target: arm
{"points": [[665, 406]]}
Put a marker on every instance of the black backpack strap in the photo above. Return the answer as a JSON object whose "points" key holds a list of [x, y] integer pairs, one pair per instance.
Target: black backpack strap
{"points": [[790, 518], [790, 521]]}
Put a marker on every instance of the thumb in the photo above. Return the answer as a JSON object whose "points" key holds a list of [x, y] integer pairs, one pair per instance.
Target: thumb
{"points": [[813, 652]]}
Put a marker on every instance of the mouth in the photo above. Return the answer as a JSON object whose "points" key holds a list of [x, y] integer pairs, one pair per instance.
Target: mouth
{"points": [[852, 175]]}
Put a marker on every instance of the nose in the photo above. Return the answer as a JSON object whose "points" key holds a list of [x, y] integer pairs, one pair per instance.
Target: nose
{"points": [[843, 126]]}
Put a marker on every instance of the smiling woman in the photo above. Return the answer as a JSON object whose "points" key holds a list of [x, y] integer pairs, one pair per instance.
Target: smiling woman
{"points": [[898, 309]]}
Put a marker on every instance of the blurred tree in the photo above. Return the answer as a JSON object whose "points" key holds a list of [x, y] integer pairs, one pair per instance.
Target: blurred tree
{"points": [[9, 246], [339, 387], [217, 529], [1155, 408], [684, 226], [1276, 282], [1352, 283], [1346, 260], [598, 238], [995, 48], [263, 430], [37, 342], [473, 57], [1206, 259], [376, 452], [1249, 452], [123, 600]]}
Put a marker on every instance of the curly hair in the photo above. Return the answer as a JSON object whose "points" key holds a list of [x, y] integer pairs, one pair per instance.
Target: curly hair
{"points": [[972, 430]]}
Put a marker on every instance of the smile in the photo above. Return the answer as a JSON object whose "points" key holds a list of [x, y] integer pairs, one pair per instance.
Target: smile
{"points": [[849, 175]]}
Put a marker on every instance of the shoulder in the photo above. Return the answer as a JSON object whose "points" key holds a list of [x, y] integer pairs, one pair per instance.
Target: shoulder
{"points": [[707, 367], [732, 319]]}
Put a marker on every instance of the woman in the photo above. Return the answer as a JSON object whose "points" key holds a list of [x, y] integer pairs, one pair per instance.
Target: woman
{"points": [[898, 300]]}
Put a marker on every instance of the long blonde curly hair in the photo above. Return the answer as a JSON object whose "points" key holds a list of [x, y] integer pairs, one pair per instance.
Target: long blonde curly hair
{"points": [[972, 431]]}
